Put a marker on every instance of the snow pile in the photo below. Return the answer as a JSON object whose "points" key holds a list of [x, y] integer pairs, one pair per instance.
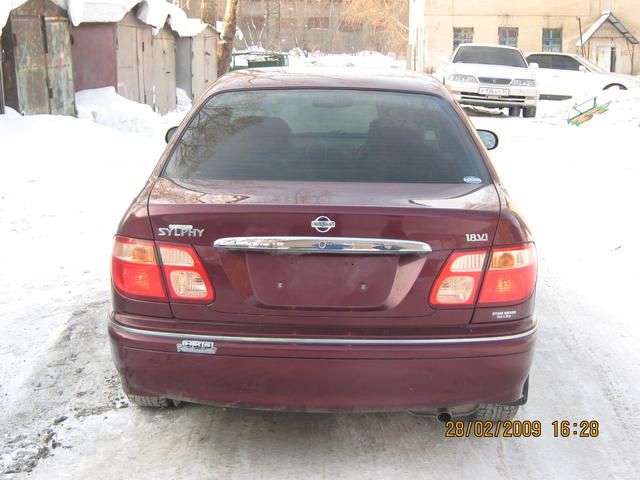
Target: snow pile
{"points": [[364, 59], [624, 108], [152, 12], [105, 107]]}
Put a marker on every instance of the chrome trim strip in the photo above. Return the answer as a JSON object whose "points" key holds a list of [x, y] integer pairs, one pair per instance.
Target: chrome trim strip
{"points": [[321, 341], [345, 245]]}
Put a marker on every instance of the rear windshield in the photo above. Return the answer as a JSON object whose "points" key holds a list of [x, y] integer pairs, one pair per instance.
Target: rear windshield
{"points": [[326, 135], [490, 56]]}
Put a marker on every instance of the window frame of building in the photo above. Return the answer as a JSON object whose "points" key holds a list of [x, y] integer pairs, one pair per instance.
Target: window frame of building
{"points": [[462, 35], [508, 36], [551, 43], [318, 23]]}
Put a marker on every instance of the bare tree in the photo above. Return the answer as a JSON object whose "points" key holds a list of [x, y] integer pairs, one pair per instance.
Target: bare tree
{"points": [[389, 18], [225, 45]]}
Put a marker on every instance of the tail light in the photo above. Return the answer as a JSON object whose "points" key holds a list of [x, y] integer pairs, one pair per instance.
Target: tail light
{"points": [[135, 270], [510, 277], [137, 273], [459, 280], [185, 275]]}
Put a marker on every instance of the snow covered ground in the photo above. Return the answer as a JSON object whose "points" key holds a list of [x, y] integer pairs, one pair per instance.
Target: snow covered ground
{"points": [[66, 182]]}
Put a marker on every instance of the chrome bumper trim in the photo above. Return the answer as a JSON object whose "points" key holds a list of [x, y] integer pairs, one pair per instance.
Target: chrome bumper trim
{"points": [[320, 341], [330, 245]]}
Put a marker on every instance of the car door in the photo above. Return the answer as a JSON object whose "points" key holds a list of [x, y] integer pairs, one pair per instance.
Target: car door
{"points": [[546, 77]]}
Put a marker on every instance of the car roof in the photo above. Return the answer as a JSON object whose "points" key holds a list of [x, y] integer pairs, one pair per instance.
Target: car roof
{"points": [[493, 45], [552, 53], [316, 77]]}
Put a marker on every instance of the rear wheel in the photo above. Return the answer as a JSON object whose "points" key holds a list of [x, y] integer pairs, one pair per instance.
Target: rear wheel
{"points": [[152, 402], [529, 112], [494, 412], [615, 86], [514, 111]]}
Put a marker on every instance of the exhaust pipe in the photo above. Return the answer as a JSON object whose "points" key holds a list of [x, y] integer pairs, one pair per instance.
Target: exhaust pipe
{"points": [[444, 415]]}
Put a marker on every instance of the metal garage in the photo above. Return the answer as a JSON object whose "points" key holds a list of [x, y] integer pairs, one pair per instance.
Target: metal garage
{"points": [[196, 62], [37, 62]]}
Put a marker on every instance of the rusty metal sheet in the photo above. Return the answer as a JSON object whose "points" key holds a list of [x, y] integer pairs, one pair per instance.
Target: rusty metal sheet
{"points": [[30, 65], [59, 66], [91, 70], [164, 71]]}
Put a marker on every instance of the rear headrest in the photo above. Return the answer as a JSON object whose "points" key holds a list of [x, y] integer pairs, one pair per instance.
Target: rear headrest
{"points": [[264, 127], [386, 135]]}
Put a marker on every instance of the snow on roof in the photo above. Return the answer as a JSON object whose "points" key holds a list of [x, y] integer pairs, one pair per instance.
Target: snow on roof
{"points": [[181, 24], [99, 11], [152, 12], [606, 16]]}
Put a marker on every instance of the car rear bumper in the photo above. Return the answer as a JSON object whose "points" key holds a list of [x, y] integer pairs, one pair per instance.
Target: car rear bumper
{"points": [[324, 374]]}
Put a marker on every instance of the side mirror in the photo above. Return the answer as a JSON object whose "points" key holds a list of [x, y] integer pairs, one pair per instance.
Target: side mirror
{"points": [[170, 133], [534, 66], [489, 139], [582, 68]]}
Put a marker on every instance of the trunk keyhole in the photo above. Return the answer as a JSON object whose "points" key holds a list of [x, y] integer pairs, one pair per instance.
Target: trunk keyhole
{"points": [[279, 284], [363, 287]]}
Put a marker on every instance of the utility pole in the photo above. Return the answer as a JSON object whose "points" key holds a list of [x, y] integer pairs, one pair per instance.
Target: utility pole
{"points": [[225, 45]]}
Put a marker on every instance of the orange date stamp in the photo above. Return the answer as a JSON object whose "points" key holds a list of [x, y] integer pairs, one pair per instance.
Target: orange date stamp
{"points": [[520, 429]]}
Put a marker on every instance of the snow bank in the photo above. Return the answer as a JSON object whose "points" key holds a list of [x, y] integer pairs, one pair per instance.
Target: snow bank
{"points": [[364, 59], [105, 107], [10, 112], [624, 108]]}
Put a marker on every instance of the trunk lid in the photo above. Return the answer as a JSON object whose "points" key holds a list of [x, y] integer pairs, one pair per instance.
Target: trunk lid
{"points": [[389, 286]]}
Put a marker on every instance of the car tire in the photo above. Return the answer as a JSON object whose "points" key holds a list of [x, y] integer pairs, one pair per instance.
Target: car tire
{"points": [[149, 402], [615, 86], [529, 112], [494, 412], [514, 111]]}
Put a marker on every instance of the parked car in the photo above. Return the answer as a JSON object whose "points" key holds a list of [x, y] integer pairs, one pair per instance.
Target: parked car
{"points": [[492, 76], [561, 75], [325, 241]]}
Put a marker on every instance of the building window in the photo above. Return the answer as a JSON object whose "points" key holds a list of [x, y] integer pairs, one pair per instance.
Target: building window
{"points": [[551, 39], [318, 23], [508, 36], [462, 35]]}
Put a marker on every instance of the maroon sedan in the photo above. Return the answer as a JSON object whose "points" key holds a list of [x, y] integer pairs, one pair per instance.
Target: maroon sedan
{"points": [[325, 241]]}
